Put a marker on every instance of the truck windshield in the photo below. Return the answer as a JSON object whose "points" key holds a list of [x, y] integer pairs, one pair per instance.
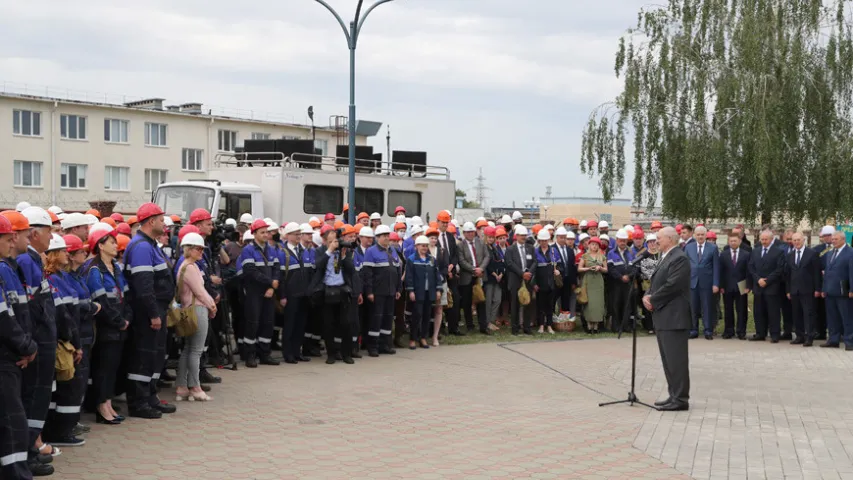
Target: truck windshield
{"points": [[181, 200]]}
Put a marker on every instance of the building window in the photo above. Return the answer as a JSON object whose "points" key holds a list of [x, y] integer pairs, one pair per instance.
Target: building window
{"points": [[116, 178], [260, 136], [290, 137], [115, 131], [27, 174], [227, 140], [322, 199], [411, 201], [191, 159], [153, 179], [72, 176], [155, 134], [26, 123], [323, 147], [72, 127], [369, 200]]}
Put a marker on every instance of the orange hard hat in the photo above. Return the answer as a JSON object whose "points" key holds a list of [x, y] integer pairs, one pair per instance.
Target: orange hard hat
{"points": [[123, 241], [349, 230], [571, 221], [362, 215], [536, 228], [176, 219], [132, 220], [451, 228], [358, 227], [443, 216], [18, 221], [500, 232], [399, 225], [432, 231], [109, 221], [433, 224], [482, 223], [94, 212], [339, 224], [346, 207], [314, 223], [656, 224], [53, 217]]}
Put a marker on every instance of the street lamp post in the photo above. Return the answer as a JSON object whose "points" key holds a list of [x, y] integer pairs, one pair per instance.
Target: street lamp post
{"points": [[351, 35]]}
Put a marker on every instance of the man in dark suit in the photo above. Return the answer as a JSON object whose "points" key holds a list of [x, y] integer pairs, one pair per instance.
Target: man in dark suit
{"points": [[767, 268], [668, 299], [704, 281], [520, 265], [733, 270], [473, 259], [447, 241], [803, 285], [837, 278], [786, 243]]}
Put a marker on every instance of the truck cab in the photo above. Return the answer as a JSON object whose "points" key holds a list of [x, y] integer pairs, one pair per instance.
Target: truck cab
{"points": [[222, 199]]}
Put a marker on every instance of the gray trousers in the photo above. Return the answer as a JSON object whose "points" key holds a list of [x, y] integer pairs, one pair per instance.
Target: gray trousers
{"points": [[188, 365], [673, 355], [493, 301]]}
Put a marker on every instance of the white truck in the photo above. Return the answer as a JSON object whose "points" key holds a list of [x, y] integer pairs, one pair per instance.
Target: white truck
{"points": [[294, 188]]}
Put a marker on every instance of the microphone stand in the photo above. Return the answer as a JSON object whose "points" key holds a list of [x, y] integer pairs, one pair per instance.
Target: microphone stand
{"points": [[629, 312]]}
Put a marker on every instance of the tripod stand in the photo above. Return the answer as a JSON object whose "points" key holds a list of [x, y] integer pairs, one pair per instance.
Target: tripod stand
{"points": [[629, 313]]}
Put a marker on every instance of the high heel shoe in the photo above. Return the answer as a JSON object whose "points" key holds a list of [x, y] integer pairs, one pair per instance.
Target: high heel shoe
{"points": [[100, 419], [424, 344]]}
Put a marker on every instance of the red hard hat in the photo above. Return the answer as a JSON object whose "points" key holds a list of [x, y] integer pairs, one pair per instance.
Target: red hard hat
{"points": [[97, 236], [326, 229], [638, 234], [678, 228], [199, 215], [394, 237], [259, 224], [592, 224], [399, 209], [123, 229], [490, 231], [185, 230], [73, 243], [148, 210], [5, 225], [712, 235], [657, 224], [119, 218], [329, 216]]}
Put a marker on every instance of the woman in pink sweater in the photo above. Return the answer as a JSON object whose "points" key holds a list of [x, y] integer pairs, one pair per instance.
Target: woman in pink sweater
{"points": [[192, 292]]}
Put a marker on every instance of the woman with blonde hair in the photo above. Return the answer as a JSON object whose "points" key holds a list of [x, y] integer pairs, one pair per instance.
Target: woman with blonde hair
{"points": [[191, 293], [593, 265]]}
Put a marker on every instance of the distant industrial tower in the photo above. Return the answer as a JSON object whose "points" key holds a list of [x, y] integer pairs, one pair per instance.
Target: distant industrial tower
{"points": [[481, 189]]}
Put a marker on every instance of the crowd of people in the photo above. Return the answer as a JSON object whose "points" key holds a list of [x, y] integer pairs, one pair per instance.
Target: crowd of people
{"points": [[91, 305]]}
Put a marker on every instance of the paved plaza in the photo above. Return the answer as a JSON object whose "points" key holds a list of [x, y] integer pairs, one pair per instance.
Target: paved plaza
{"points": [[491, 412]]}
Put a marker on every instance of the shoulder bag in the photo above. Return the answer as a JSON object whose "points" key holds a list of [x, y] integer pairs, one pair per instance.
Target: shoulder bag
{"points": [[183, 318]]}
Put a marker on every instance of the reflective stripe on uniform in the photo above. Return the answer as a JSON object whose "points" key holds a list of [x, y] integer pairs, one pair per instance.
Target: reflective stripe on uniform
{"points": [[338, 340], [3, 307], [160, 267], [264, 340], [52, 406], [138, 378], [53, 386], [156, 376], [13, 458], [35, 423], [97, 293], [385, 332], [141, 268], [249, 341], [67, 409], [373, 334]]}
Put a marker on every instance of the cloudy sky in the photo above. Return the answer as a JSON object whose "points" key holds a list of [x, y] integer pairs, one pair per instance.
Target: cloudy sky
{"points": [[500, 84]]}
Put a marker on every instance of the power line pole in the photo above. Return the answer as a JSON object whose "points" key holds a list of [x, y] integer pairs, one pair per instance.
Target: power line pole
{"points": [[481, 189]]}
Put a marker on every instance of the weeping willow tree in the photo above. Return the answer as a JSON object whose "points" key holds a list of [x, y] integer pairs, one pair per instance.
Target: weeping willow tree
{"points": [[737, 108]]}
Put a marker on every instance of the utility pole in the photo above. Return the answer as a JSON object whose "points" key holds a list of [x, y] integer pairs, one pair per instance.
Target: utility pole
{"points": [[481, 189]]}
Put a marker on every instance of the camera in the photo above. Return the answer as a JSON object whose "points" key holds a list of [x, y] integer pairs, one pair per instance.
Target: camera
{"points": [[220, 234], [350, 245]]}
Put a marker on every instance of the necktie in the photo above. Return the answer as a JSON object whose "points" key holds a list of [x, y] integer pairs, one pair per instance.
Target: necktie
{"points": [[834, 255], [521, 255], [798, 258], [763, 252], [700, 253], [444, 241], [473, 249], [734, 257]]}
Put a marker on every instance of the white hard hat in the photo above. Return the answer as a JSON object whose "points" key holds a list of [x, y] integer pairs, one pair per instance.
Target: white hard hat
{"points": [[168, 221], [416, 220], [293, 227], [375, 216], [491, 223], [583, 223], [306, 228], [603, 224], [401, 218], [561, 231], [61, 216], [268, 221], [827, 230], [313, 219], [416, 230], [317, 239], [231, 221], [516, 215], [651, 237], [521, 230], [381, 230], [481, 219], [248, 235], [622, 234], [22, 206], [629, 228], [101, 227], [543, 235], [246, 218], [56, 243], [192, 239], [55, 210], [272, 227], [570, 235], [90, 219], [469, 227], [37, 216], [366, 232], [604, 236], [549, 227], [506, 219], [455, 223], [74, 220], [422, 240], [583, 236]]}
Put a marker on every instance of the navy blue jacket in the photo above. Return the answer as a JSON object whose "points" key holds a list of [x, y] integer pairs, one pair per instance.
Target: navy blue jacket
{"points": [[730, 274], [838, 273], [15, 338], [705, 271], [152, 286], [381, 271], [567, 266], [85, 307], [770, 267], [65, 300], [423, 277], [110, 292], [40, 297], [258, 266]]}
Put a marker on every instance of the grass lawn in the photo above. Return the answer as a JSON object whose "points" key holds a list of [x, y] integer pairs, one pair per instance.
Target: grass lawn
{"points": [[505, 336]]}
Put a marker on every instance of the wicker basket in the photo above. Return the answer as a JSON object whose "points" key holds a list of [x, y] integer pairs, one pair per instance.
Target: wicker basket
{"points": [[565, 326]]}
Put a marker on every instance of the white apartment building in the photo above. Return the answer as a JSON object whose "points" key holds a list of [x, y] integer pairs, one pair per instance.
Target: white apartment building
{"points": [[65, 152]]}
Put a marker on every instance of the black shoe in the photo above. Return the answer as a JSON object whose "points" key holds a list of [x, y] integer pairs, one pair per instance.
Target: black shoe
{"points": [[786, 336], [349, 360], [372, 352], [100, 419], [300, 358], [708, 336], [267, 360], [205, 388], [694, 335], [330, 360], [251, 361], [69, 441], [820, 337], [165, 408], [756, 338], [741, 337], [40, 469], [145, 412], [661, 403], [798, 341], [829, 345], [528, 332], [727, 336], [275, 346], [206, 377], [774, 339], [674, 407], [43, 458], [808, 343], [314, 352], [291, 360], [848, 348], [356, 353]]}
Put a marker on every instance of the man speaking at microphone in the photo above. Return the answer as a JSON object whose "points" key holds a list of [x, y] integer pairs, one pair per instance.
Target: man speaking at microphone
{"points": [[668, 299]]}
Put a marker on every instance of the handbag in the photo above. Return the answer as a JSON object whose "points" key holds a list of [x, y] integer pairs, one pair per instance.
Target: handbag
{"points": [[583, 297], [64, 361], [184, 318], [477, 295], [523, 294]]}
